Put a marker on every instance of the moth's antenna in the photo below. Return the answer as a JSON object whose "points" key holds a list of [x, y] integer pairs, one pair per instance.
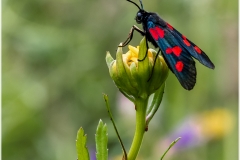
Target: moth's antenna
{"points": [[134, 4], [141, 4]]}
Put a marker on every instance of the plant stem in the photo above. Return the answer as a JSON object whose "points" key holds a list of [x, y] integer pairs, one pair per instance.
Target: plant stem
{"points": [[141, 106]]}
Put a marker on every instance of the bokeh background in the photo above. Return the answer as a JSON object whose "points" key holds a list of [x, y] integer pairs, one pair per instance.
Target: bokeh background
{"points": [[54, 74]]}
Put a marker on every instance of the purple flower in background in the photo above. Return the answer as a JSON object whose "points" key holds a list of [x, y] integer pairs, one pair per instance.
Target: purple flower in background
{"points": [[92, 153], [190, 134], [198, 129]]}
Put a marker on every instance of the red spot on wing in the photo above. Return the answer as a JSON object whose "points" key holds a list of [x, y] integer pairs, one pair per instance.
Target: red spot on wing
{"points": [[169, 26], [153, 33], [179, 66], [186, 42], [197, 49], [156, 32], [169, 50], [160, 32], [177, 50]]}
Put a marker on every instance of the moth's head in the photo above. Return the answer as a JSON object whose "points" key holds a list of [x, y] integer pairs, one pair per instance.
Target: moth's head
{"points": [[140, 16]]}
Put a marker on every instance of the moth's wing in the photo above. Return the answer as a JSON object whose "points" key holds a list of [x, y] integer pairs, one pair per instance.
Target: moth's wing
{"points": [[177, 57], [193, 49]]}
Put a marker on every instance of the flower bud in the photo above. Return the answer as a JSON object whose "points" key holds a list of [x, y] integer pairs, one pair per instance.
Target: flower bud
{"points": [[137, 78]]}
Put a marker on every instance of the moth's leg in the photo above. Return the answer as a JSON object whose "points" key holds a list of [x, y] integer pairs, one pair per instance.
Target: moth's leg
{"points": [[154, 64], [130, 35]]}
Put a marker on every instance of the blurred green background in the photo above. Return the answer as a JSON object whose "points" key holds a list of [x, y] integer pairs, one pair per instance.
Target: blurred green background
{"points": [[54, 74]]}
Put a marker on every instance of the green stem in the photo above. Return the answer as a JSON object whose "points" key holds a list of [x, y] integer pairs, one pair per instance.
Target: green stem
{"points": [[141, 107]]}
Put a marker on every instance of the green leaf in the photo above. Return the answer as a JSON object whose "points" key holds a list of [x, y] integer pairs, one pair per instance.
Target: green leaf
{"points": [[82, 150], [157, 99], [101, 141]]}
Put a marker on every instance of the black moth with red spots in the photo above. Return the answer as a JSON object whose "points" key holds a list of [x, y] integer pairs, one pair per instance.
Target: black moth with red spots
{"points": [[176, 49]]}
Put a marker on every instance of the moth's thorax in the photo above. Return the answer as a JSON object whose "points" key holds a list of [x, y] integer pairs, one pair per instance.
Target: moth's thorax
{"points": [[156, 19]]}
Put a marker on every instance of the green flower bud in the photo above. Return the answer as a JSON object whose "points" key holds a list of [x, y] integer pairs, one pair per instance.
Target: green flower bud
{"points": [[131, 76]]}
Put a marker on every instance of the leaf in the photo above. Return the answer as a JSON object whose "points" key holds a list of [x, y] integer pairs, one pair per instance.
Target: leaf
{"points": [[82, 150], [152, 109], [101, 141]]}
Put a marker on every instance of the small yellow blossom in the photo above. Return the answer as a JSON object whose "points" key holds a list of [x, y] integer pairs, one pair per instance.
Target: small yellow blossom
{"points": [[134, 78], [132, 56]]}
